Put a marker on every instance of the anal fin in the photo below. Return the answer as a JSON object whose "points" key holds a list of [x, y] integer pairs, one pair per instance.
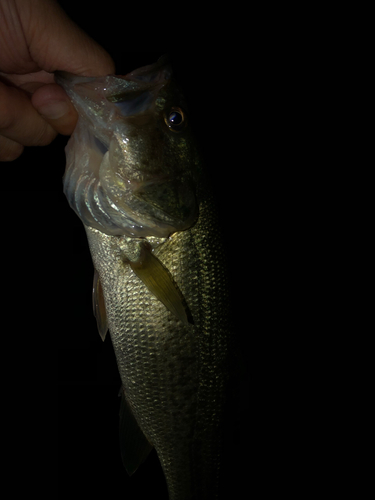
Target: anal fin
{"points": [[134, 445], [99, 306]]}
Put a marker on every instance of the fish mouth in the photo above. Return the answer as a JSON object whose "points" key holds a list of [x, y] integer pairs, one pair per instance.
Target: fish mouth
{"points": [[132, 94]]}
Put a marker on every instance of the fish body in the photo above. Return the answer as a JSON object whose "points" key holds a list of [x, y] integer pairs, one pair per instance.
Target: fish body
{"points": [[135, 179]]}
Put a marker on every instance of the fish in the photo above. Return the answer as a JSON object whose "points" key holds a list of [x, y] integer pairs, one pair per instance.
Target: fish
{"points": [[135, 177]]}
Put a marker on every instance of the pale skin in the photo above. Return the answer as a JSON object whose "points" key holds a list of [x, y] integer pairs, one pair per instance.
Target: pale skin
{"points": [[36, 39]]}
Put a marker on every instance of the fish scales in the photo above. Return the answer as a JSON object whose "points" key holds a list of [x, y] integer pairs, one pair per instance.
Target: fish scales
{"points": [[160, 263], [174, 375]]}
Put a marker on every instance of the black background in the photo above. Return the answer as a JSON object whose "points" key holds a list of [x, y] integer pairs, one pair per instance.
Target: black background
{"points": [[52, 261]]}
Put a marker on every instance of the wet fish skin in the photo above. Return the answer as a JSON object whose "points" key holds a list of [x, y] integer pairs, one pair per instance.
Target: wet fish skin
{"points": [[174, 372]]}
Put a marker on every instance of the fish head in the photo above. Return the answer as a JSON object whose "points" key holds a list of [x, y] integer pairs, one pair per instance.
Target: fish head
{"points": [[132, 163]]}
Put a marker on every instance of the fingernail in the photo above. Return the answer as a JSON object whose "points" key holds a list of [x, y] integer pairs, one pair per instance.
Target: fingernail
{"points": [[54, 110]]}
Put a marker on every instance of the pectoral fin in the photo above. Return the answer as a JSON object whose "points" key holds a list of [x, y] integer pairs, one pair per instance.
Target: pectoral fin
{"points": [[134, 445], [99, 306], [159, 281]]}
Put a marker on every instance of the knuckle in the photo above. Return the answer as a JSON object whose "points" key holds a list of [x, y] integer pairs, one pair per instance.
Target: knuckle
{"points": [[9, 150], [20, 122], [7, 118], [44, 136]]}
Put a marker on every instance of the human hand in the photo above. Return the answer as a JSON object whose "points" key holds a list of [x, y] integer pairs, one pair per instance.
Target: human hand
{"points": [[36, 39]]}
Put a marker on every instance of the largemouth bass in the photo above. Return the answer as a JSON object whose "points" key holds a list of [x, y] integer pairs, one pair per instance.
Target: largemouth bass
{"points": [[134, 177]]}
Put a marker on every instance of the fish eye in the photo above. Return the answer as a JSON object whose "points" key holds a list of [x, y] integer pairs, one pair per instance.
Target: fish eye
{"points": [[175, 119]]}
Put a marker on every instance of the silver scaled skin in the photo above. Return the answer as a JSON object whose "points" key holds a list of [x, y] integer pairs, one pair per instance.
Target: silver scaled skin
{"points": [[157, 252]]}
